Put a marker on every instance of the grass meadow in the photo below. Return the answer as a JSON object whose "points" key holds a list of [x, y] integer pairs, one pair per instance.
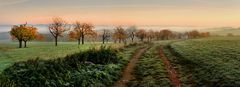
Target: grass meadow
{"points": [[202, 62], [10, 53], [207, 62]]}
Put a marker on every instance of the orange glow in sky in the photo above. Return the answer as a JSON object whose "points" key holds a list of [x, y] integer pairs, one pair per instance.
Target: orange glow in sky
{"points": [[125, 12]]}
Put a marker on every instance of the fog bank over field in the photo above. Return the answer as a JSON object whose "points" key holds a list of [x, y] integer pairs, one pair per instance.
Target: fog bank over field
{"points": [[44, 28]]}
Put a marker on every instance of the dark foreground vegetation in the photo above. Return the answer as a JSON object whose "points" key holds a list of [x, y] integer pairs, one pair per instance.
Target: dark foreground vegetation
{"points": [[96, 67]]}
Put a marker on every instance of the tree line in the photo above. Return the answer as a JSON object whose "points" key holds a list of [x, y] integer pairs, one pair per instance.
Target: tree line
{"points": [[79, 31]]}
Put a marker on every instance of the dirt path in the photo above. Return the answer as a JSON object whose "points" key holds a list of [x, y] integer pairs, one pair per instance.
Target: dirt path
{"points": [[129, 69], [171, 71]]}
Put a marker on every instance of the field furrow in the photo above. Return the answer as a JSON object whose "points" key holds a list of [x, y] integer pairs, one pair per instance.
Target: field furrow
{"points": [[150, 71], [127, 73]]}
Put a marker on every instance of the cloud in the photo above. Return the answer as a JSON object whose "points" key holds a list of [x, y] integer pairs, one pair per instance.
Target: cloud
{"points": [[11, 2]]}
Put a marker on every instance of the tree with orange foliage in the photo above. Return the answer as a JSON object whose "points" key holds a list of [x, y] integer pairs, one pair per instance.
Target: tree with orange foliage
{"points": [[157, 35], [205, 34], [120, 34], [166, 34], [17, 32], [150, 35], [72, 36], [24, 33], [194, 34], [141, 34], [40, 37], [80, 31], [57, 28], [30, 34]]}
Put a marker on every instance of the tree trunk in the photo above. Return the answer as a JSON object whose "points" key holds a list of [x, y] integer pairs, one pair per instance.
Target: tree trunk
{"points": [[103, 39], [82, 39], [142, 39], [25, 44], [132, 39], [20, 43], [119, 41], [125, 41], [56, 40], [79, 41]]}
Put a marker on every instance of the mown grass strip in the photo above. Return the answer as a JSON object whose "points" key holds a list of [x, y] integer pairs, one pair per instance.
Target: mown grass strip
{"points": [[150, 71], [127, 73]]}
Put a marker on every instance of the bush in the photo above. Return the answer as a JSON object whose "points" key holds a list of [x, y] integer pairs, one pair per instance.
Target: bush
{"points": [[132, 44], [90, 68], [93, 68], [102, 56], [6, 82]]}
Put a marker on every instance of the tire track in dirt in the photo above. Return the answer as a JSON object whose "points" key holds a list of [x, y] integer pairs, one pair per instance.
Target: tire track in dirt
{"points": [[127, 73], [171, 71]]}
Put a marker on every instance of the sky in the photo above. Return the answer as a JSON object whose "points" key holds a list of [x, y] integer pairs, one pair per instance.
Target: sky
{"points": [[206, 13]]}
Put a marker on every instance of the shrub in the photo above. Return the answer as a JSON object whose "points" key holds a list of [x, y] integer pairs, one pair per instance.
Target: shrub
{"points": [[6, 82], [90, 68], [93, 68]]}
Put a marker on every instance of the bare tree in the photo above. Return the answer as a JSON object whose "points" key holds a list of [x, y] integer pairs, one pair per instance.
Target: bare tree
{"points": [[150, 35], [80, 31], [106, 35], [157, 35], [194, 34], [86, 29], [76, 33], [141, 34], [131, 31], [57, 28], [166, 34], [120, 34]]}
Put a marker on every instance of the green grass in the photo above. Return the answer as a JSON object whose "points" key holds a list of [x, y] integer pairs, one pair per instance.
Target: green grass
{"points": [[211, 61], [9, 53], [91, 68]]}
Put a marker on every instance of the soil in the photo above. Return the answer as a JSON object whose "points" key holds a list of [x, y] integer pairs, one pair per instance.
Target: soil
{"points": [[127, 73], [171, 71]]}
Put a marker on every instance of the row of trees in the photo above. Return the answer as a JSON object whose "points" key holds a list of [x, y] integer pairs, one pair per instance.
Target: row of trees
{"points": [[78, 31], [121, 35], [81, 30], [197, 34]]}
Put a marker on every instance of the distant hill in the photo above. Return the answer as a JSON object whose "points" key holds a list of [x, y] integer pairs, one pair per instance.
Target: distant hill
{"points": [[223, 31], [4, 37]]}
